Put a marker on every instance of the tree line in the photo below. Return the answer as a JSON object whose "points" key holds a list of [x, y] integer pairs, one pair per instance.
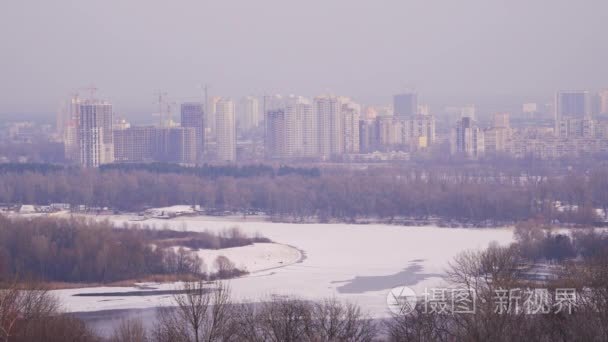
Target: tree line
{"points": [[79, 250], [464, 194]]}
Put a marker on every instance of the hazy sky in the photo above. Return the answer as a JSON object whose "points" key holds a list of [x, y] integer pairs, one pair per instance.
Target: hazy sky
{"points": [[452, 50]]}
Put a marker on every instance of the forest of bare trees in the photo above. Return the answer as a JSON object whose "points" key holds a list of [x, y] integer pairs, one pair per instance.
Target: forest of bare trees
{"points": [[463, 194], [29, 312], [79, 250]]}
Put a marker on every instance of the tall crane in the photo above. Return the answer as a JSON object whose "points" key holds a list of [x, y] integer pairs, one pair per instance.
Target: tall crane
{"points": [[161, 97]]}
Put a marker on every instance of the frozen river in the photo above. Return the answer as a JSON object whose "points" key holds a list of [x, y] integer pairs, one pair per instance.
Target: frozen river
{"points": [[357, 263]]}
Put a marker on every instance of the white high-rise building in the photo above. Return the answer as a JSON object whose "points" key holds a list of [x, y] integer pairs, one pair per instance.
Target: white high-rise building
{"points": [[248, 113], [351, 113], [70, 116], [95, 133], [310, 129], [328, 111], [210, 118], [291, 128], [604, 101], [225, 130], [299, 128]]}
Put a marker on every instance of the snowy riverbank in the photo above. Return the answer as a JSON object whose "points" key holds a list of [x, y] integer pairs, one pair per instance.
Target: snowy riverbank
{"points": [[357, 263]]}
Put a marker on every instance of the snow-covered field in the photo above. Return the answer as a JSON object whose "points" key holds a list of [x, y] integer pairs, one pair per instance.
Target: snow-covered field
{"points": [[357, 263], [254, 258]]}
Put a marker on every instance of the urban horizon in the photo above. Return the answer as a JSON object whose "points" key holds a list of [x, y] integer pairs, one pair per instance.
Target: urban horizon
{"points": [[271, 170]]}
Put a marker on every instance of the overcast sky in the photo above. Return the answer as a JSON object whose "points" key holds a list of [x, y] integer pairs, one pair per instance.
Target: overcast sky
{"points": [[458, 51]]}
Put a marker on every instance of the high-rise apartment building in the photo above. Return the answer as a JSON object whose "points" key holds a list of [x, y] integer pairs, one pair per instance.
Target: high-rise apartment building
{"points": [[405, 105], [571, 109], [135, 144], [147, 144], [350, 116], [175, 145], [310, 128], [300, 128], [572, 104], [275, 138], [604, 101], [95, 133], [389, 131], [467, 139], [192, 116], [502, 120], [497, 138], [225, 130], [291, 128], [294, 124], [70, 117], [421, 131], [210, 118], [368, 136], [249, 116], [330, 124]]}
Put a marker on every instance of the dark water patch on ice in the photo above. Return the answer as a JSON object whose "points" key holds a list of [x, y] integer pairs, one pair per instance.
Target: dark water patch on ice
{"points": [[131, 293], [411, 275]]}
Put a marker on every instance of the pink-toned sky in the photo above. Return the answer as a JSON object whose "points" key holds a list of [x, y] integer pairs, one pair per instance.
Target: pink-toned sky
{"points": [[454, 50]]}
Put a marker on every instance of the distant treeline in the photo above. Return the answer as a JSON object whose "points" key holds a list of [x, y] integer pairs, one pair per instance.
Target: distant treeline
{"points": [[78, 250], [463, 194], [206, 170], [32, 167], [537, 241], [245, 171]]}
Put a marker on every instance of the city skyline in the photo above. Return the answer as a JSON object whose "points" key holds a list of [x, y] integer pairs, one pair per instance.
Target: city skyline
{"points": [[343, 170]]}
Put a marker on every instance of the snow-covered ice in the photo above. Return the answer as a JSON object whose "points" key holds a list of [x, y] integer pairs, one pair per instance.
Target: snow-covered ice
{"points": [[357, 263], [253, 258]]}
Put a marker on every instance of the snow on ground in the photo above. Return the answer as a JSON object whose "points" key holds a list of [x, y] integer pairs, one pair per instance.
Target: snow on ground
{"points": [[253, 258], [172, 210], [356, 263]]}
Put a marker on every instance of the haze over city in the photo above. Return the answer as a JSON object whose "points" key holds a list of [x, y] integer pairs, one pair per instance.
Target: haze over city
{"points": [[493, 53], [272, 170]]}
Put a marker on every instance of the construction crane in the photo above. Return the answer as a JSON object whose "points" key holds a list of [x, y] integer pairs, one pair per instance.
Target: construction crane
{"points": [[161, 97], [170, 112]]}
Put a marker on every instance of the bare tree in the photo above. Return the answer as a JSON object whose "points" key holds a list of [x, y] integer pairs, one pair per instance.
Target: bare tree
{"points": [[418, 325], [203, 313], [334, 321], [30, 313], [283, 320], [294, 319], [130, 330], [9, 311], [482, 274]]}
